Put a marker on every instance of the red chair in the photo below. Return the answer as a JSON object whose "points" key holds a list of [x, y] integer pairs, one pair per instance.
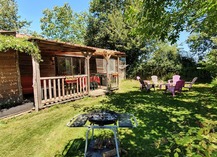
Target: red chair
{"points": [[94, 82]]}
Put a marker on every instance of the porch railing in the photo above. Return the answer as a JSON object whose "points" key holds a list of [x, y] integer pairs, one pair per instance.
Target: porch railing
{"points": [[61, 88], [114, 80]]}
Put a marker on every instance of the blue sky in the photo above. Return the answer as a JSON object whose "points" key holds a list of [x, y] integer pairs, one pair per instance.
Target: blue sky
{"points": [[182, 40], [31, 10]]}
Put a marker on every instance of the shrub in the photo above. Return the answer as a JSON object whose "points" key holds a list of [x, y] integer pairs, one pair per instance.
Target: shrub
{"points": [[214, 85]]}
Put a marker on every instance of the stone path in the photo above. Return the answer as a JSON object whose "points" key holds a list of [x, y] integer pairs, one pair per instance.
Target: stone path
{"points": [[27, 107]]}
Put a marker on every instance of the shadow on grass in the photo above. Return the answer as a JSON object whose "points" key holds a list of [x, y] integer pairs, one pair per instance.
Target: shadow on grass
{"points": [[161, 119], [74, 148]]}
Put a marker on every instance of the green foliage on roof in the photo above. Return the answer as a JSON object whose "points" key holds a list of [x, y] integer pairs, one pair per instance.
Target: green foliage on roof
{"points": [[20, 45]]}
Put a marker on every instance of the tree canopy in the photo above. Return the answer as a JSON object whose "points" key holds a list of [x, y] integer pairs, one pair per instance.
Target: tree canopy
{"points": [[132, 26], [108, 28], [210, 60], [9, 19], [61, 23], [162, 59], [165, 19]]}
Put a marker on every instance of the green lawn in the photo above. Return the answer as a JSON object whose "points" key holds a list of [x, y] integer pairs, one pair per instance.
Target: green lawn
{"points": [[184, 125]]}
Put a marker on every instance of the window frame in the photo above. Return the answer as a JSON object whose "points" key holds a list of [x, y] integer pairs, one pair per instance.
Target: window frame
{"points": [[74, 62]]}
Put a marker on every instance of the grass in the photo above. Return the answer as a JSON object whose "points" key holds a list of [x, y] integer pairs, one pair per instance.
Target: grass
{"points": [[184, 125]]}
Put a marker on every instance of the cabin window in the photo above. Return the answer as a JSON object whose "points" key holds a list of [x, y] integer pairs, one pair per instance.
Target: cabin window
{"points": [[122, 61], [70, 66], [78, 66], [111, 65]]}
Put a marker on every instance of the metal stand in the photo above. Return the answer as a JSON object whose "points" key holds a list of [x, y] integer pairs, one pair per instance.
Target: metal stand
{"points": [[114, 128], [125, 121]]}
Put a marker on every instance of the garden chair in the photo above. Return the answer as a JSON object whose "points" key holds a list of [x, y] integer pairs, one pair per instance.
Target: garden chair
{"points": [[174, 80], [143, 84], [156, 82], [190, 84], [178, 87]]}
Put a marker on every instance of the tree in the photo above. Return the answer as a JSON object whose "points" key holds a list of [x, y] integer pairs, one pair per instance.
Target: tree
{"points": [[200, 44], [9, 19], [210, 60], [161, 60], [189, 68], [62, 24], [108, 28], [133, 26], [165, 19], [98, 22]]}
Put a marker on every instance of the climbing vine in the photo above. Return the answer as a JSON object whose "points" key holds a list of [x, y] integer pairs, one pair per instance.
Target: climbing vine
{"points": [[20, 45]]}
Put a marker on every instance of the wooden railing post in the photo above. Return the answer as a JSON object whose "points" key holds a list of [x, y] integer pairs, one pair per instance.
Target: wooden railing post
{"points": [[118, 72], [88, 74], [87, 56], [56, 89], [36, 84], [107, 57]]}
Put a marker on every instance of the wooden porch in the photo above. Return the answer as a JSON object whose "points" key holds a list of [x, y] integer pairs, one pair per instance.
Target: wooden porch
{"points": [[49, 88], [61, 88], [98, 92], [63, 72], [67, 88]]}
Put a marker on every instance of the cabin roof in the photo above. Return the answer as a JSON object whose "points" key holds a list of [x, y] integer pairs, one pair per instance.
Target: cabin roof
{"points": [[52, 45], [100, 51]]}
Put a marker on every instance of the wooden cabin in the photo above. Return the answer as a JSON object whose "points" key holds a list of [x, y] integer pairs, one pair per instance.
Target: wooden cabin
{"points": [[10, 83], [66, 72]]}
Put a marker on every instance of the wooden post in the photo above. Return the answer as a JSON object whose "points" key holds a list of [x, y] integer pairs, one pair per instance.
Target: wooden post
{"points": [[36, 84], [87, 69], [88, 74], [107, 57], [107, 73], [118, 72], [19, 76]]}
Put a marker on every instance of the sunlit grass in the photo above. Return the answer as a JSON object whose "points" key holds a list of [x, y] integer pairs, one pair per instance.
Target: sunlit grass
{"points": [[163, 121]]}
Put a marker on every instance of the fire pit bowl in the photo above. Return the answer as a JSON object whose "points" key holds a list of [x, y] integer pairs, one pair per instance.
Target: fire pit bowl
{"points": [[103, 117]]}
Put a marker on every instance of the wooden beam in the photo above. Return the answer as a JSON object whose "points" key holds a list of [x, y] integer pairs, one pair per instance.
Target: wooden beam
{"points": [[36, 84], [18, 75], [87, 68], [87, 54], [107, 56]]}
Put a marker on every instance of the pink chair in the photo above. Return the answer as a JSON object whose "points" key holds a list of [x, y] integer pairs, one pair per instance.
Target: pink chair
{"points": [[174, 80], [178, 87]]}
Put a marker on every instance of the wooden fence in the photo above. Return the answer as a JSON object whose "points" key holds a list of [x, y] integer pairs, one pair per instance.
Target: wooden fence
{"points": [[61, 88]]}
